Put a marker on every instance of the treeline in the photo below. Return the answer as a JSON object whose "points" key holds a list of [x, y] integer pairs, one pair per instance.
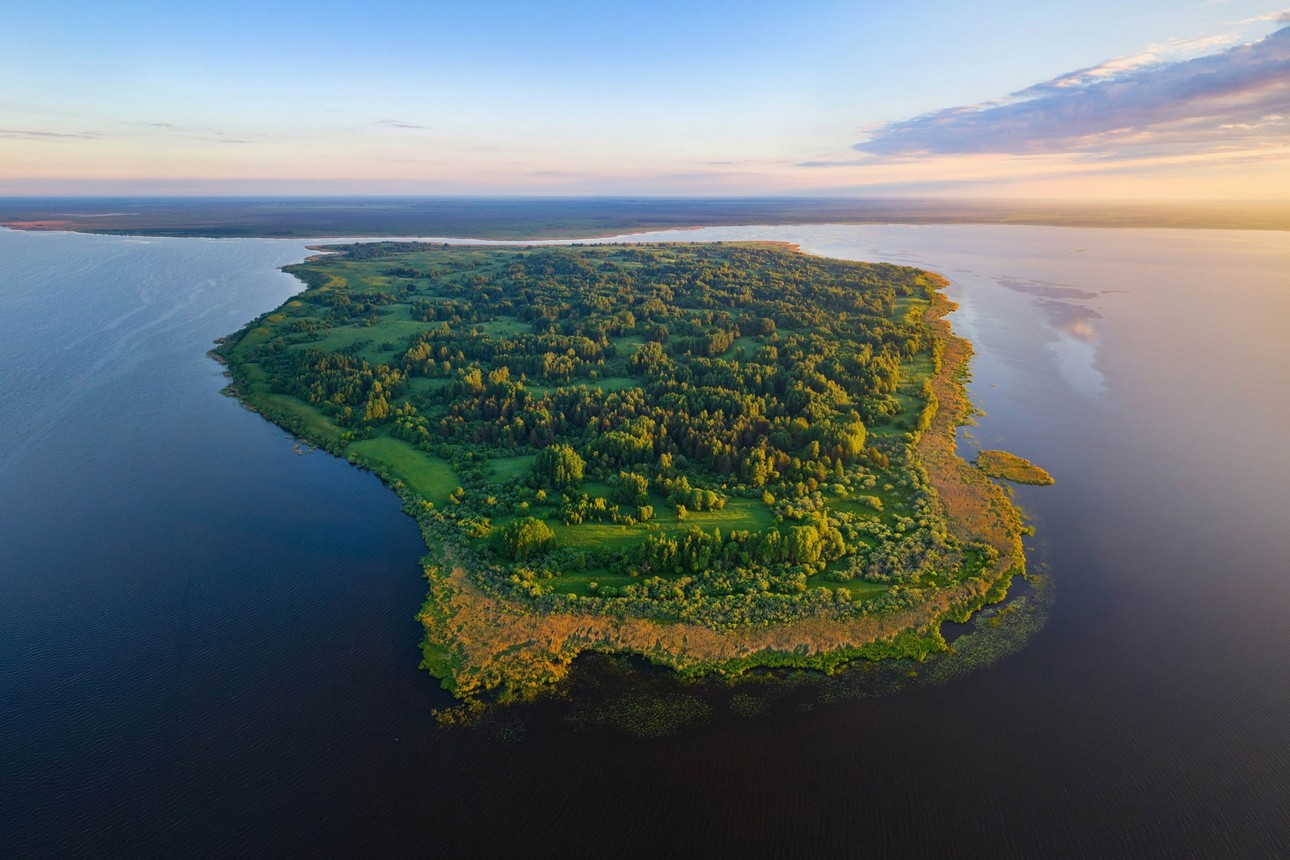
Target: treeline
{"points": [[345, 388]]}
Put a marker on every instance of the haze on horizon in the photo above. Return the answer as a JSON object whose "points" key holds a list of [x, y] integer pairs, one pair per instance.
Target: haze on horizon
{"points": [[1058, 100]]}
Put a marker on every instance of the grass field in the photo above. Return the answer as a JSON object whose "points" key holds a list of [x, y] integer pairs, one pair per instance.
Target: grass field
{"points": [[614, 383], [505, 468], [394, 327], [504, 327], [581, 584], [313, 423], [431, 478], [738, 514]]}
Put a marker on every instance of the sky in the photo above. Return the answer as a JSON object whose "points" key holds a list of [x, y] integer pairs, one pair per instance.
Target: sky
{"points": [[1165, 99]]}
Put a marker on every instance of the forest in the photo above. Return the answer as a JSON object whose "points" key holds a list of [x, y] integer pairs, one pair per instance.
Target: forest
{"points": [[722, 435]]}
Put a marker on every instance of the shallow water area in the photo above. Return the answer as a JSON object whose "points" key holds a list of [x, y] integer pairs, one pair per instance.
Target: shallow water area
{"points": [[208, 647]]}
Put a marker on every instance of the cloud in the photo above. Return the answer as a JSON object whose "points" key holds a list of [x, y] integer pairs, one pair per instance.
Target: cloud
{"points": [[1281, 17], [29, 134], [1131, 107], [841, 162], [395, 123]]}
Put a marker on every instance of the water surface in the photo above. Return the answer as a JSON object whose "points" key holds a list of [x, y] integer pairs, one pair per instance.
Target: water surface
{"points": [[207, 645]]}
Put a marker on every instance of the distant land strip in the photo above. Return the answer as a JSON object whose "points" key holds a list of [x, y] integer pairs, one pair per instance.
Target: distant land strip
{"points": [[584, 217]]}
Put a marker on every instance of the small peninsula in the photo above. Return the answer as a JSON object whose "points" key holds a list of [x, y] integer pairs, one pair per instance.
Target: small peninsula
{"points": [[716, 456], [1010, 467]]}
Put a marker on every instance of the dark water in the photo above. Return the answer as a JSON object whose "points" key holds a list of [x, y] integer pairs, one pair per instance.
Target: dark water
{"points": [[207, 645]]}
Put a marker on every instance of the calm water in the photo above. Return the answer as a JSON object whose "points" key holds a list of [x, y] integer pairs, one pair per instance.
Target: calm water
{"points": [[207, 645]]}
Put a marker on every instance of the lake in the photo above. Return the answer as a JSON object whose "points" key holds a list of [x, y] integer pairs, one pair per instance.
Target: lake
{"points": [[207, 644]]}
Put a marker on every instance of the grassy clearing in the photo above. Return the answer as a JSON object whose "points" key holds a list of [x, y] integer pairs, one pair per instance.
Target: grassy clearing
{"points": [[614, 383], [428, 476], [580, 584], [306, 420], [909, 308], [504, 327], [597, 536], [505, 468], [390, 329], [914, 372], [858, 588], [747, 343], [423, 385], [738, 514]]}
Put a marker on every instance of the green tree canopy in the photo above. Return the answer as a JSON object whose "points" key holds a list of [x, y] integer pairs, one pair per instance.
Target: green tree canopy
{"points": [[558, 466], [523, 538]]}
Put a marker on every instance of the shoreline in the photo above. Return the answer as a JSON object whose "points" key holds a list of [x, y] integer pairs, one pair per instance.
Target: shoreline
{"points": [[509, 227], [478, 642], [458, 612]]}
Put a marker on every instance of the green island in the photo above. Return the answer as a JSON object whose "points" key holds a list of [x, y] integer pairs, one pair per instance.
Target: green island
{"points": [[717, 456], [1010, 467]]}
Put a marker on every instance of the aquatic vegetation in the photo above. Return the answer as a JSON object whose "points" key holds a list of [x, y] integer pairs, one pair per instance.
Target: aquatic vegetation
{"points": [[1001, 464]]}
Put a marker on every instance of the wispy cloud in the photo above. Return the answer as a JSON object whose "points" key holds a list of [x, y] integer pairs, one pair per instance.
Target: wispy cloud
{"points": [[180, 134], [1280, 17], [1132, 107], [32, 134], [396, 123], [840, 162]]}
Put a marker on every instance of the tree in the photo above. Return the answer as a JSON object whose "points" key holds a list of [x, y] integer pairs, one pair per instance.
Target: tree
{"points": [[558, 466], [523, 538], [631, 489]]}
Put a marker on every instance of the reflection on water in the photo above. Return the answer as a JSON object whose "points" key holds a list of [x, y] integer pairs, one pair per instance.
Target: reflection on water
{"points": [[625, 694], [1076, 346], [1074, 340]]}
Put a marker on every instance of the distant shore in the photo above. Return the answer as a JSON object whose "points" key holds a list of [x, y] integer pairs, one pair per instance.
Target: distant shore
{"points": [[528, 219]]}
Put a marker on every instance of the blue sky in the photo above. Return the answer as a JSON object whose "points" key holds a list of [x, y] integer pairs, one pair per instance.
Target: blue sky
{"points": [[1082, 99]]}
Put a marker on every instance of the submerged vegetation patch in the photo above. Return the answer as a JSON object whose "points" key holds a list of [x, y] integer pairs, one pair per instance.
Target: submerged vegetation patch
{"points": [[718, 457], [1010, 467], [605, 692]]}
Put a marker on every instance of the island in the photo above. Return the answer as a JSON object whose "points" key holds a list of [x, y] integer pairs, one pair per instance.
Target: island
{"points": [[716, 456]]}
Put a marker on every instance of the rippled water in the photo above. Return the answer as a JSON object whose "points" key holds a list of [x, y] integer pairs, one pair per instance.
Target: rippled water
{"points": [[207, 645]]}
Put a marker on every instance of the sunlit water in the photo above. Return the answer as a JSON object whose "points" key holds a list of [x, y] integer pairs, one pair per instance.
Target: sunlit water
{"points": [[207, 644]]}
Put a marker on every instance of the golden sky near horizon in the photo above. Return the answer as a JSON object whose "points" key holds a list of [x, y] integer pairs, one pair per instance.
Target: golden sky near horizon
{"points": [[848, 99]]}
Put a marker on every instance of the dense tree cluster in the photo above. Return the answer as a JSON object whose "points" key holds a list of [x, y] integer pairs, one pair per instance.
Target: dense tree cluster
{"points": [[523, 538], [558, 467], [655, 391], [343, 387]]}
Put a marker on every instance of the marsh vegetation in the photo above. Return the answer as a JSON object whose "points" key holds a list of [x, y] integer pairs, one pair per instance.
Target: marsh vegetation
{"points": [[1010, 467]]}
